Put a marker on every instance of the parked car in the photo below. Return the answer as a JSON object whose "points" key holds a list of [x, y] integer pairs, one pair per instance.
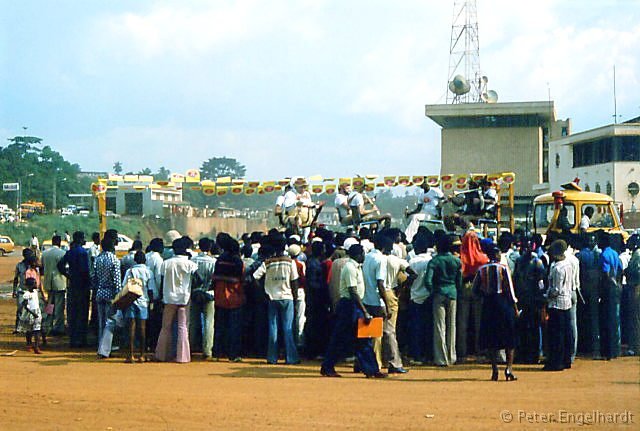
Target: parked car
{"points": [[66, 212], [6, 245], [83, 213], [46, 245], [124, 245]]}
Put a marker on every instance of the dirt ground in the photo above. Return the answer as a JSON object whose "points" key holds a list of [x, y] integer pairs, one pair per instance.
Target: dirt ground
{"points": [[66, 389]]}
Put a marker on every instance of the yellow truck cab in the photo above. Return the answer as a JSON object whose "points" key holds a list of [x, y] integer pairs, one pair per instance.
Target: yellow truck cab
{"points": [[549, 215]]}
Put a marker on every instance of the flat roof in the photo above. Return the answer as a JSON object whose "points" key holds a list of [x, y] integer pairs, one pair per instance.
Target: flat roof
{"points": [[620, 129], [442, 114]]}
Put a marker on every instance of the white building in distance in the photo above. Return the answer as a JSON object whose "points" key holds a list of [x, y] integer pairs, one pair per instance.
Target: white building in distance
{"points": [[606, 159]]}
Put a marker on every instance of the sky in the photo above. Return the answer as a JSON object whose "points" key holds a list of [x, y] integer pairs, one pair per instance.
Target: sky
{"points": [[289, 88]]}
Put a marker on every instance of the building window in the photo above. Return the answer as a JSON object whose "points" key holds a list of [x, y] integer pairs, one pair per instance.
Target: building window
{"points": [[609, 189], [628, 148], [587, 188], [565, 132], [597, 187], [557, 160], [605, 150]]}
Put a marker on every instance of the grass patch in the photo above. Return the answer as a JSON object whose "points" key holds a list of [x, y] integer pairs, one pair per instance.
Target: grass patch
{"points": [[44, 227]]}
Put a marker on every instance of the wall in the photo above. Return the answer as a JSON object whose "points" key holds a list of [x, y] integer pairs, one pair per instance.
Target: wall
{"points": [[196, 227], [489, 150]]}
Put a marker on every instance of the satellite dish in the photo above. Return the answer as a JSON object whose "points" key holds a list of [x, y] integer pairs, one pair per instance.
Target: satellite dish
{"points": [[491, 96], [459, 85]]}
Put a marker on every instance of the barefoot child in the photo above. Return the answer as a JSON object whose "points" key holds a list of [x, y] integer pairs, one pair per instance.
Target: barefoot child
{"points": [[30, 315], [33, 271]]}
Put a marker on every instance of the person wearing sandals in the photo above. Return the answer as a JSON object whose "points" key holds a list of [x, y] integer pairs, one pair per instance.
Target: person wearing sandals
{"points": [[499, 311], [138, 312]]}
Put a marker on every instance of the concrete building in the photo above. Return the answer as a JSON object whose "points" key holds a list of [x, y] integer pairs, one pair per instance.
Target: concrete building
{"points": [[143, 199], [500, 137], [605, 159]]}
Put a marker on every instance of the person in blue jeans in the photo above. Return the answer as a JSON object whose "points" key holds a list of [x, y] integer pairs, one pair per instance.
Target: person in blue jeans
{"points": [[348, 310], [281, 285]]}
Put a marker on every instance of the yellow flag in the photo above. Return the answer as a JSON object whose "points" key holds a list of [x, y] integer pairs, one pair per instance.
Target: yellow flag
{"points": [[177, 178], [192, 176]]}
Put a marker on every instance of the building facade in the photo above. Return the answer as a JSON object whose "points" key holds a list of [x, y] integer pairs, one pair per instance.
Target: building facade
{"points": [[143, 199], [606, 159], [500, 137]]}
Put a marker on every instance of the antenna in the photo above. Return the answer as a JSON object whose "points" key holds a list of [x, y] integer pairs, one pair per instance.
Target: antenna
{"points": [[615, 100], [464, 55]]}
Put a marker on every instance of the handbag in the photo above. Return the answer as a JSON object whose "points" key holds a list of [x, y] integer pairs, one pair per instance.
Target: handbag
{"points": [[131, 291]]}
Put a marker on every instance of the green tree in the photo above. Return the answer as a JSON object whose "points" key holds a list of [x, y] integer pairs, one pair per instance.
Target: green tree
{"points": [[145, 171], [222, 167], [41, 171], [163, 174], [117, 168]]}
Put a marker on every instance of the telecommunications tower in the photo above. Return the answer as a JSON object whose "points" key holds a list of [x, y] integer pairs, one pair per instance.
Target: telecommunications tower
{"points": [[466, 84]]}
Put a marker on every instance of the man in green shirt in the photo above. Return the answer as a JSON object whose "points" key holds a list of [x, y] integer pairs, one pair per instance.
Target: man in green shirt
{"points": [[443, 278]]}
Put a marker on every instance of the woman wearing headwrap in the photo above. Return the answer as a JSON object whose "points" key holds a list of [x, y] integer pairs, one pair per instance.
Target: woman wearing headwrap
{"points": [[499, 312], [472, 258]]}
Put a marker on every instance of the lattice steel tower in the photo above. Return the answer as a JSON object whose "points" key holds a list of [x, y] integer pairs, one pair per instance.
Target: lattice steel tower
{"points": [[465, 83]]}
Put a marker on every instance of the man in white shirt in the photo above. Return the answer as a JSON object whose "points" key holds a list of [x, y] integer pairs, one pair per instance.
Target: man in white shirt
{"points": [[391, 352], [420, 307], [176, 292], [575, 291], [490, 197], [559, 306], [359, 213], [281, 285], [585, 221], [374, 271], [342, 205], [429, 201], [202, 310], [286, 206]]}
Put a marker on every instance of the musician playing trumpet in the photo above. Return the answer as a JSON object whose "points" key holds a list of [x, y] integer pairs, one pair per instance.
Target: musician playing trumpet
{"points": [[358, 203], [430, 200]]}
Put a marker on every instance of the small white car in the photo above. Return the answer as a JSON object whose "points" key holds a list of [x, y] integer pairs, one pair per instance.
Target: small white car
{"points": [[124, 243]]}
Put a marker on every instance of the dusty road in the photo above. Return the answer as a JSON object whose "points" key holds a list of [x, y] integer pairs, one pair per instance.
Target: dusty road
{"points": [[69, 390]]}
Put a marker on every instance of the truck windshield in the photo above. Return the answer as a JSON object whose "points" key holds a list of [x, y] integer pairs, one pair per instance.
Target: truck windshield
{"points": [[544, 216], [602, 217]]}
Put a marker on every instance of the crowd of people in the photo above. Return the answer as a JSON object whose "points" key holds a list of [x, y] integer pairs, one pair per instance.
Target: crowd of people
{"points": [[443, 298]]}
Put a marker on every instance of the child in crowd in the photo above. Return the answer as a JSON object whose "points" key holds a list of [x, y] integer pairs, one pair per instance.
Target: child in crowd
{"points": [[138, 312], [30, 315]]}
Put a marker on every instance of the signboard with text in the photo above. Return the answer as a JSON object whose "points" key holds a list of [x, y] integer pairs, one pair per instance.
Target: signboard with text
{"points": [[10, 187]]}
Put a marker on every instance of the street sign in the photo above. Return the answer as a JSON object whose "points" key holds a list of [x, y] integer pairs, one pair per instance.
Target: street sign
{"points": [[10, 187]]}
